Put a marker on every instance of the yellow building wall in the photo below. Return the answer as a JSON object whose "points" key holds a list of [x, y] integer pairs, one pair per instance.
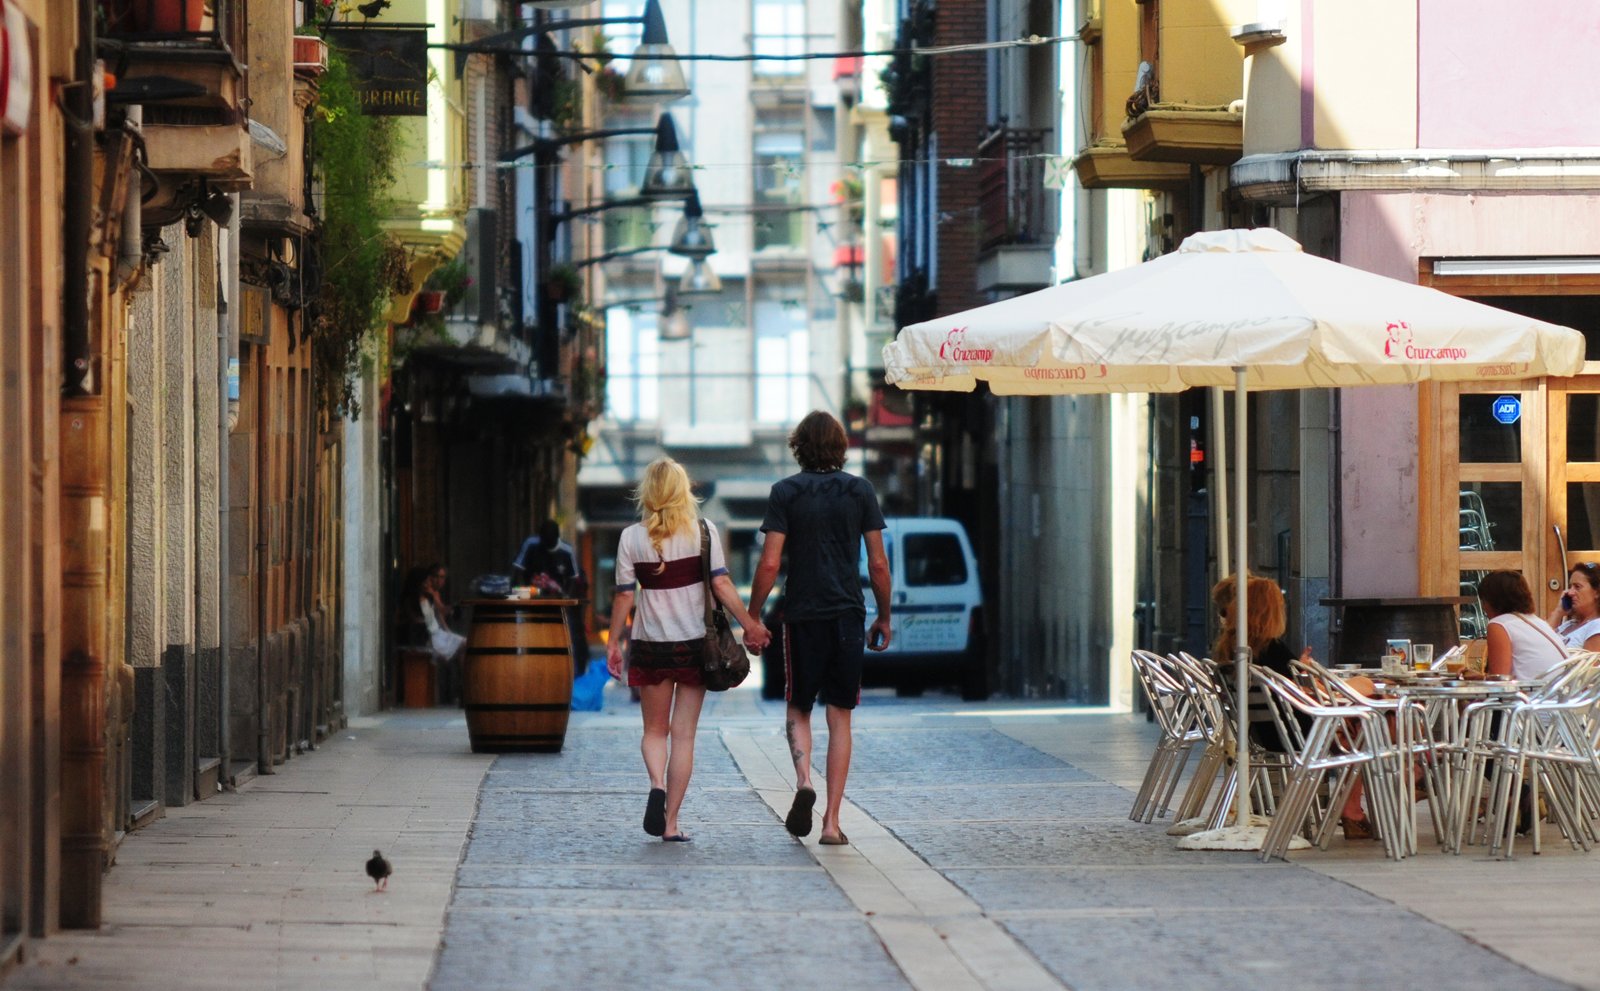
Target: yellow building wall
{"points": [[1201, 65], [1365, 67], [1120, 43], [1272, 90]]}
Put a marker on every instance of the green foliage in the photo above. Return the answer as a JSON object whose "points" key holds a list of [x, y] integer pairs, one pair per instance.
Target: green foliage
{"points": [[452, 279], [363, 264]]}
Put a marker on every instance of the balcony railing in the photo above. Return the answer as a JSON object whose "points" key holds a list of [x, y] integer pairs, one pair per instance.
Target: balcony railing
{"points": [[199, 24], [1011, 194]]}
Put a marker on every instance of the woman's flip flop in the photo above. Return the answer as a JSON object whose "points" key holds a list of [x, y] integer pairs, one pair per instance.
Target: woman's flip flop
{"points": [[677, 838], [840, 840]]}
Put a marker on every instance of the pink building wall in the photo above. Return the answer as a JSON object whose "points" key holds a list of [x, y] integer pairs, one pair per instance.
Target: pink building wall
{"points": [[1387, 233], [1492, 74]]}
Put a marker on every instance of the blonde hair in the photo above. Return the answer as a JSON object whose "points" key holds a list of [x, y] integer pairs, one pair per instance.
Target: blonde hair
{"points": [[667, 504], [1268, 615]]}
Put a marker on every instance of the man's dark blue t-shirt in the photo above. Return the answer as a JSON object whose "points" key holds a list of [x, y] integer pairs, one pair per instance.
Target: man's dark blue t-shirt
{"points": [[822, 516]]}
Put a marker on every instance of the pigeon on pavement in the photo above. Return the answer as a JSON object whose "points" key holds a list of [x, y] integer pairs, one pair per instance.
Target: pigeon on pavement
{"points": [[378, 869]]}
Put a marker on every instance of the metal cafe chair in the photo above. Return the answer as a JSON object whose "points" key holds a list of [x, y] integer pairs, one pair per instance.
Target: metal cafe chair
{"points": [[1173, 707], [1342, 740], [1217, 715], [1544, 739], [1395, 735]]}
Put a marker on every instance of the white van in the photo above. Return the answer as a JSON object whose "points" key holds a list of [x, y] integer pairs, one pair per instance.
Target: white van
{"points": [[936, 612]]}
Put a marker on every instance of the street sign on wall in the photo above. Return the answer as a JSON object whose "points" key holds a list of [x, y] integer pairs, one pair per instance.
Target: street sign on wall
{"points": [[388, 66]]}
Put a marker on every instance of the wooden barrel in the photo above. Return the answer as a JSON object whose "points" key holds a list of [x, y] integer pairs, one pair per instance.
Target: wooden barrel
{"points": [[517, 683]]}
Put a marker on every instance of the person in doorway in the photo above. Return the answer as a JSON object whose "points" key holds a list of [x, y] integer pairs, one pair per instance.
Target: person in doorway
{"points": [[1577, 618], [445, 643], [660, 556], [820, 518], [1519, 643]]}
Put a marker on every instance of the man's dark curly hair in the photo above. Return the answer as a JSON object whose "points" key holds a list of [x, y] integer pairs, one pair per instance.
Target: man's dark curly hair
{"points": [[819, 442]]}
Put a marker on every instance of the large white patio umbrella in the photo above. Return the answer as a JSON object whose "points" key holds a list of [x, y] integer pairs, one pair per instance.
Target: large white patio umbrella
{"points": [[1245, 309]]}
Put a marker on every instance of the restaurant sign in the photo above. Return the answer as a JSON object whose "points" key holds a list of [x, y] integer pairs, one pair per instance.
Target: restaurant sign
{"points": [[389, 68]]}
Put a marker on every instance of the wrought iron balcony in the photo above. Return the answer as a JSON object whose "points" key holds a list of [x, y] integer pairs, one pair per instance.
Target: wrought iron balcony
{"points": [[1014, 210]]}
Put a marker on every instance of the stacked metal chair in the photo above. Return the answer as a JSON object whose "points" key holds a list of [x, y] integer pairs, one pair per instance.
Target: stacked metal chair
{"points": [[1547, 739], [1347, 735], [1173, 705]]}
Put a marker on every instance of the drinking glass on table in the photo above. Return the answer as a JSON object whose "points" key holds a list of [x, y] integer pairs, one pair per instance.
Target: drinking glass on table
{"points": [[1422, 656], [1392, 663]]}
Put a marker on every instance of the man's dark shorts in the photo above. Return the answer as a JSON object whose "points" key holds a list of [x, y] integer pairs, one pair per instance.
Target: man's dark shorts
{"points": [[822, 657]]}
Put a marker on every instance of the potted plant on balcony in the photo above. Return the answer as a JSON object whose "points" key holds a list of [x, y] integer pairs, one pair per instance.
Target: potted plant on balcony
{"points": [[563, 284], [165, 16]]}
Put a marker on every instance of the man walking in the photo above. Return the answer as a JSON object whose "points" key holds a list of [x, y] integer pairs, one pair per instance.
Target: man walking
{"points": [[821, 516]]}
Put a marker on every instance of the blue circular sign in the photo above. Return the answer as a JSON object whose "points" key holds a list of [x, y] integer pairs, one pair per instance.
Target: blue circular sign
{"points": [[1507, 409]]}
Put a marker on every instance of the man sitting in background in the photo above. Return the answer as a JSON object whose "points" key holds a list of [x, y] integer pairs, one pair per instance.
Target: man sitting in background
{"points": [[549, 562]]}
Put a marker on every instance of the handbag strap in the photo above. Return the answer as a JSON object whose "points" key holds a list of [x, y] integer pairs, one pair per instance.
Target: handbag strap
{"points": [[1545, 630], [705, 570]]}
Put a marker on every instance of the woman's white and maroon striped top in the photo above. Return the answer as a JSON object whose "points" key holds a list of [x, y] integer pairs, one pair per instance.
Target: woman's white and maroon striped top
{"points": [[670, 604]]}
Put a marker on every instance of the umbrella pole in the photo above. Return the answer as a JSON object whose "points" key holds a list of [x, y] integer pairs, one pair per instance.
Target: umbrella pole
{"points": [[1247, 832], [1241, 593]]}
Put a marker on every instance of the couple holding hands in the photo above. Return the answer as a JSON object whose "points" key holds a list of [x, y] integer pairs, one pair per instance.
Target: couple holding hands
{"points": [[820, 517]]}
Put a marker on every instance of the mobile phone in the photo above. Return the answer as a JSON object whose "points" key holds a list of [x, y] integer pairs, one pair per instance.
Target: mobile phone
{"points": [[876, 643], [1566, 601]]}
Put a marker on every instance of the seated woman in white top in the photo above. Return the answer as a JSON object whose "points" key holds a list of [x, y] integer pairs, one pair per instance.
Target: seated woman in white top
{"points": [[1577, 618], [1520, 644]]}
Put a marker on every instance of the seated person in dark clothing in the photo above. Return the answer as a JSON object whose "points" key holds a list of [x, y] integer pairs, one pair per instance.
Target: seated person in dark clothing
{"points": [[547, 554], [546, 560], [1268, 621]]}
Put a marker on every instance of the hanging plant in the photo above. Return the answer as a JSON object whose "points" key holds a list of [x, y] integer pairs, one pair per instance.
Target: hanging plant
{"points": [[353, 157]]}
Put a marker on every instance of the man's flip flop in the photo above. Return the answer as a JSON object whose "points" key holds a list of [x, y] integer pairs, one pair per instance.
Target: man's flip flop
{"points": [[798, 821], [677, 838], [655, 812], [840, 840]]}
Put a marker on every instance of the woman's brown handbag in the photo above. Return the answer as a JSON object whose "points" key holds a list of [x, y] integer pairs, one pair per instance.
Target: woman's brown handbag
{"points": [[723, 662]]}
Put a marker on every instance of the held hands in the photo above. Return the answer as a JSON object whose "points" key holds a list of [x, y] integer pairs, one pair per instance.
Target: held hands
{"points": [[756, 638]]}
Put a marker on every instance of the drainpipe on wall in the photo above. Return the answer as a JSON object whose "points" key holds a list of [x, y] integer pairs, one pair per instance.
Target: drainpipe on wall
{"points": [[227, 412], [85, 439], [259, 500]]}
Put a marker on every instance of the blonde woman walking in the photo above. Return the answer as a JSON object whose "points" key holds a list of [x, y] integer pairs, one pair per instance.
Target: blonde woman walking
{"points": [[660, 557]]}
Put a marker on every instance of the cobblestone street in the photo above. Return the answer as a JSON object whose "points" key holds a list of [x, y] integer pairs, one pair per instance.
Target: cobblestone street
{"points": [[990, 848]]}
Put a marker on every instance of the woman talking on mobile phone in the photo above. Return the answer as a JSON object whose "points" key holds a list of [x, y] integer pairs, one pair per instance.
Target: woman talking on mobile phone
{"points": [[1577, 618]]}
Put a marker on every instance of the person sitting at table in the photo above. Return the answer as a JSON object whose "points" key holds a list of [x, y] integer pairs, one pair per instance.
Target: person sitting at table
{"points": [[1520, 644], [1577, 618], [1267, 624]]}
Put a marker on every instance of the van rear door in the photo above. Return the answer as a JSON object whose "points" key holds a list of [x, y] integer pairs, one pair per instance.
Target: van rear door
{"points": [[937, 587]]}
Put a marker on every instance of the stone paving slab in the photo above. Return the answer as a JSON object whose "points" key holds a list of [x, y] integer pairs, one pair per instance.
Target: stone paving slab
{"points": [[677, 887], [510, 951], [264, 889], [1250, 951], [561, 888], [1056, 801]]}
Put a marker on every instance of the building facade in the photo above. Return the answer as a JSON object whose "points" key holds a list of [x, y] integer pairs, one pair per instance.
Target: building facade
{"points": [[719, 380]]}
